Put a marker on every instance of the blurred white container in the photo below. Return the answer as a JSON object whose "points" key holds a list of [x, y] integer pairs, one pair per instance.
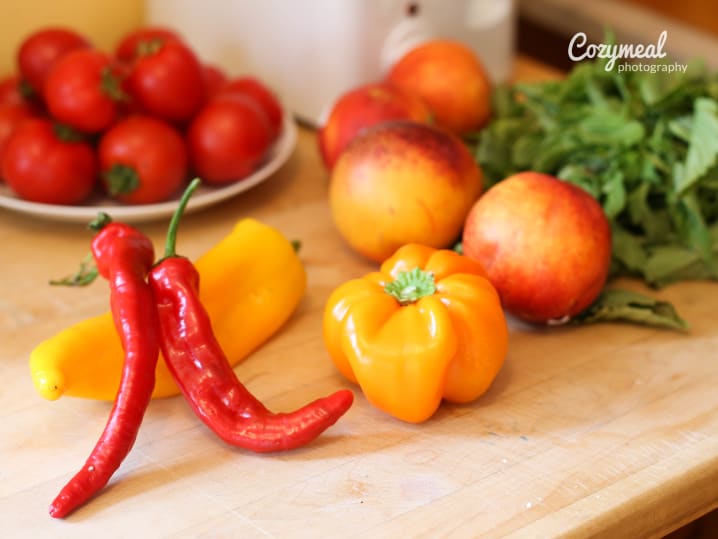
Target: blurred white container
{"points": [[312, 51]]}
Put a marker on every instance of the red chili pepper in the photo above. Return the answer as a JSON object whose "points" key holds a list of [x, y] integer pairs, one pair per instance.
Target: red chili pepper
{"points": [[123, 256], [205, 377]]}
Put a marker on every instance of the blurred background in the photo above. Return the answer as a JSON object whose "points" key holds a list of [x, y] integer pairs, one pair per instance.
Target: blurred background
{"points": [[543, 26], [546, 26], [103, 22], [337, 45]]}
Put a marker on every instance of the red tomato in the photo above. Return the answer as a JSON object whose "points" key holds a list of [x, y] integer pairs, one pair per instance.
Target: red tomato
{"points": [[82, 91], [42, 166], [214, 80], [13, 91], [265, 97], [228, 139], [10, 91], [167, 81], [127, 48], [142, 160], [11, 115], [42, 49]]}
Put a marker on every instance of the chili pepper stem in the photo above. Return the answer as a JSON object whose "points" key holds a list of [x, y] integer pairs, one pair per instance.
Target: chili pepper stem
{"points": [[171, 241], [87, 273], [411, 286], [99, 222]]}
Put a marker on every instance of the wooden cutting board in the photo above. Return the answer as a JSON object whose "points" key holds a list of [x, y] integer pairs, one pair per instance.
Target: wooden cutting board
{"points": [[601, 431]]}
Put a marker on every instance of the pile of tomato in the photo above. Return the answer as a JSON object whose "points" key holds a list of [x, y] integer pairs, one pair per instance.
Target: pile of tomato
{"points": [[134, 124]]}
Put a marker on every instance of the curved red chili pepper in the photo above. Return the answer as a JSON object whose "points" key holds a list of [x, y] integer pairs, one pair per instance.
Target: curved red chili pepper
{"points": [[123, 256], [205, 377], [200, 367]]}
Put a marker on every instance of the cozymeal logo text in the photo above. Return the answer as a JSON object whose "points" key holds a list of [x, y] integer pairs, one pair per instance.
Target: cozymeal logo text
{"points": [[579, 49]]}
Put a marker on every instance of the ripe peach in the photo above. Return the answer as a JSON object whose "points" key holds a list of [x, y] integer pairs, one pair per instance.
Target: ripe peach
{"points": [[450, 78], [402, 182], [363, 107], [545, 244]]}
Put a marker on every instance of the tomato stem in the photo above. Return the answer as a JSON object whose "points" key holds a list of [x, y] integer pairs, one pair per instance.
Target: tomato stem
{"points": [[26, 90], [411, 286], [65, 133], [150, 46], [111, 85], [121, 179]]}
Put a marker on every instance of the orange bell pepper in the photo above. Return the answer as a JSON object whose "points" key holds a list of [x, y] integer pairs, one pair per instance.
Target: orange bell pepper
{"points": [[427, 326]]}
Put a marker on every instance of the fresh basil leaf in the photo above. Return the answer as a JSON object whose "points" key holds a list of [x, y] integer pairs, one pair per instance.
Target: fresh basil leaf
{"points": [[703, 145], [604, 127], [628, 250], [670, 263], [615, 304], [614, 193]]}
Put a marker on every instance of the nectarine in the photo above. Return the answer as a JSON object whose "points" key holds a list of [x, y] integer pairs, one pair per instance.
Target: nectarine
{"points": [[361, 108], [402, 182], [450, 78], [545, 244]]}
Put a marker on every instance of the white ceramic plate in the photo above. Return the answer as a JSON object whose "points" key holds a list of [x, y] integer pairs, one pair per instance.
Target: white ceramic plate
{"points": [[203, 197]]}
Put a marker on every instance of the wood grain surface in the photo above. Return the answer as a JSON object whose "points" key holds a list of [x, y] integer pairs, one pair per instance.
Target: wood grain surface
{"points": [[601, 431]]}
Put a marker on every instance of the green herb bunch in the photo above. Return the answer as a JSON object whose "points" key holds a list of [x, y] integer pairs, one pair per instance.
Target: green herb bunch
{"points": [[644, 144]]}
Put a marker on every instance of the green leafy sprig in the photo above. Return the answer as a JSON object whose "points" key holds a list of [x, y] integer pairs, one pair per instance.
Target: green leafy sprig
{"points": [[644, 144]]}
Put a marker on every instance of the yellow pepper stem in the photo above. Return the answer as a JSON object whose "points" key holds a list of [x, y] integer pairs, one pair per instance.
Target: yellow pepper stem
{"points": [[411, 286]]}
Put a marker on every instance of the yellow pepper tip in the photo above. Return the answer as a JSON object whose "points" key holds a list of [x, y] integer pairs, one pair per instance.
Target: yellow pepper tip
{"points": [[50, 384]]}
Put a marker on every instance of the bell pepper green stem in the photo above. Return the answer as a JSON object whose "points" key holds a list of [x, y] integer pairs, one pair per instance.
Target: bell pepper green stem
{"points": [[411, 286]]}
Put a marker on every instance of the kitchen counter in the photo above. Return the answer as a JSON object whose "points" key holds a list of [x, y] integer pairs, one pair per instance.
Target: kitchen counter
{"points": [[608, 430]]}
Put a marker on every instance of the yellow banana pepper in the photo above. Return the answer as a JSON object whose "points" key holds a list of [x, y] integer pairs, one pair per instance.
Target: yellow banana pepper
{"points": [[250, 284], [428, 326]]}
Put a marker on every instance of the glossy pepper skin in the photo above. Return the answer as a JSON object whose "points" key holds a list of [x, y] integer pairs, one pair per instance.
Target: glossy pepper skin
{"points": [[123, 256], [252, 278], [428, 326], [200, 367], [207, 380]]}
